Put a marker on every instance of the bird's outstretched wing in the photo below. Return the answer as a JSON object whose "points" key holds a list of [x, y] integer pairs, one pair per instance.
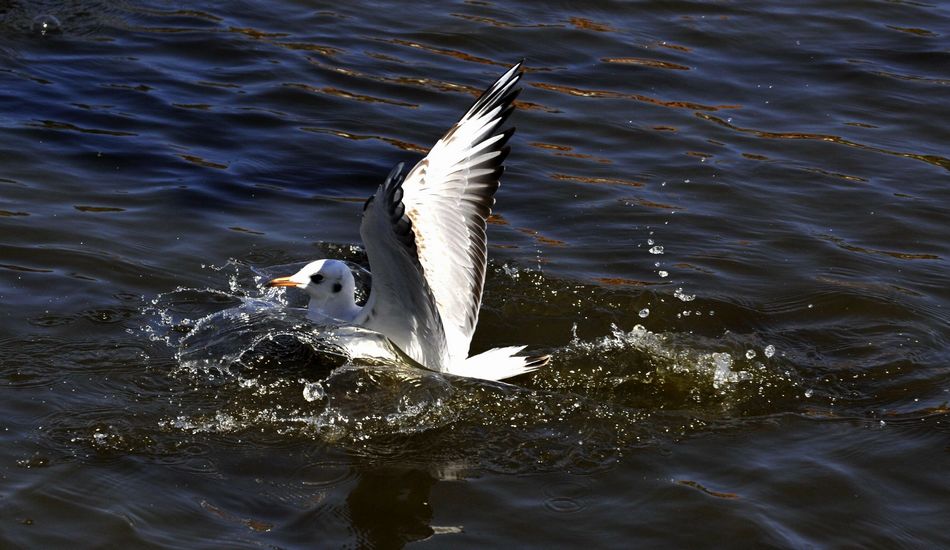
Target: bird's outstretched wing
{"points": [[434, 221], [400, 304]]}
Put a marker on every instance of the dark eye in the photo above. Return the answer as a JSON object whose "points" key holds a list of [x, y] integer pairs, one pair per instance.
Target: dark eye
{"points": [[316, 278]]}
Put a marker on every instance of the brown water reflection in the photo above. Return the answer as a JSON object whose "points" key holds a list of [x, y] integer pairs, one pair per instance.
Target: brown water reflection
{"points": [[606, 94], [748, 321], [936, 160]]}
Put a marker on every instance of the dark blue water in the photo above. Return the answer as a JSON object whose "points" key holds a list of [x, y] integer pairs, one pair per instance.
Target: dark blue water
{"points": [[727, 222]]}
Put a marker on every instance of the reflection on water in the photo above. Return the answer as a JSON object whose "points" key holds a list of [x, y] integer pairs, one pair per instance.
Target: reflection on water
{"points": [[726, 223], [398, 496], [932, 159]]}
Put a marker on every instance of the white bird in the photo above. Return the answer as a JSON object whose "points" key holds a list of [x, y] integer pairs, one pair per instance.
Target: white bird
{"points": [[425, 239]]}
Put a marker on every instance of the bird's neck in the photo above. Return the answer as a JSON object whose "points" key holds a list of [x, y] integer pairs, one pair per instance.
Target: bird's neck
{"points": [[343, 308]]}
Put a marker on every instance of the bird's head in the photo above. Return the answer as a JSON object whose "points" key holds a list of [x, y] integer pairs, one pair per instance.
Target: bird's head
{"points": [[324, 280]]}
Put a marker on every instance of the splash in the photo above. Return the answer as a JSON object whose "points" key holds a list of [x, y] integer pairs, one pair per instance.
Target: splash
{"points": [[251, 363], [669, 371]]}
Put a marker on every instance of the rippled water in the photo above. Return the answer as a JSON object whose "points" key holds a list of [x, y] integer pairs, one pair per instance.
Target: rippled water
{"points": [[726, 221]]}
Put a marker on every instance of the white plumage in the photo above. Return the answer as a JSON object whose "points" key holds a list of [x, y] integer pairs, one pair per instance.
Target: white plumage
{"points": [[425, 238]]}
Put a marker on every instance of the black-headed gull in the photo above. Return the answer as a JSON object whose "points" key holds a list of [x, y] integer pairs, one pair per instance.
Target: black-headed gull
{"points": [[425, 239]]}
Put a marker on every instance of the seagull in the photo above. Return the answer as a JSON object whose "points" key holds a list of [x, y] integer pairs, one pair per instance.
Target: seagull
{"points": [[424, 234]]}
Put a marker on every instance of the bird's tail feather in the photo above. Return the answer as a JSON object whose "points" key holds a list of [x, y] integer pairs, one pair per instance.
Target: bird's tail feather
{"points": [[498, 364]]}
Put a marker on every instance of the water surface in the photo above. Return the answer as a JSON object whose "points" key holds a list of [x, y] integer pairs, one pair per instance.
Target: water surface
{"points": [[726, 221]]}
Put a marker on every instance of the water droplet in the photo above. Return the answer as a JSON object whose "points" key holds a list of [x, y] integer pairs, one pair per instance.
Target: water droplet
{"points": [[750, 354], [723, 374], [650, 242], [769, 350], [678, 293], [644, 313], [664, 273], [46, 24], [313, 391], [808, 392], [656, 250]]}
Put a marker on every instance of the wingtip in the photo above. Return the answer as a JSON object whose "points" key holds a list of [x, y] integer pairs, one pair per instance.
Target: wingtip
{"points": [[502, 93], [516, 71], [537, 361], [505, 136], [532, 364]]}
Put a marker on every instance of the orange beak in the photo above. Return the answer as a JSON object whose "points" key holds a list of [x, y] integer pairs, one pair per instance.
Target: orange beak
{"points": [[282, 281]]}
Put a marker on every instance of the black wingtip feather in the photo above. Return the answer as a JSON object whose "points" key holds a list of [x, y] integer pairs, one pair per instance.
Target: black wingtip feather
{"points": [[392, 195], [512, 95], [505, 136], [505, 151], [496, 175], [503, 116], [499, 95]]}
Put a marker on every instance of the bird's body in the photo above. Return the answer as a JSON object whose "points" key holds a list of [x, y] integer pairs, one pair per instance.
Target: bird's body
{"points": [[425, 239]]}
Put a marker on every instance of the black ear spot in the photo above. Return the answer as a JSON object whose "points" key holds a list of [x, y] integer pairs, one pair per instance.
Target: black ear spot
{"points": [[337, 287]]}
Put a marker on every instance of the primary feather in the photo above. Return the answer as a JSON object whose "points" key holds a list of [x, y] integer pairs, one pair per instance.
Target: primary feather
{"points": [[425, 239]]}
